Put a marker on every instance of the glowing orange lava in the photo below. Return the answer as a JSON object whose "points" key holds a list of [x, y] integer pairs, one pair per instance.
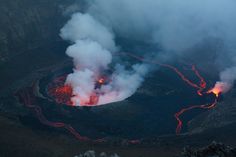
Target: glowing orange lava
{"points": [[63, 93], [94, 97], [182, 111], [101, 80], [93, 100], [216, 91], [28, 99], [60, 92], [200, 88], [66, 89]]}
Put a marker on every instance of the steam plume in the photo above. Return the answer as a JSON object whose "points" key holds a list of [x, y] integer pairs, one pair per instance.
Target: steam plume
{"points": [[93, 45], [178, 26], [227, 78]]}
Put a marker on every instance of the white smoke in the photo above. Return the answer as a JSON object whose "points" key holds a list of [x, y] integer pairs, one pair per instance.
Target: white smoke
{"points": [[177, 26], [89, 54], [92, 48], [227, 78], [84, 26], [123, 84]]}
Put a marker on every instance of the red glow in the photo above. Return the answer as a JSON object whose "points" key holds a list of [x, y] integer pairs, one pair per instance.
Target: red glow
{"points": [[216, 91], [25, 95], [101, 81], [27, 98], [92, 101], [94, 97], [182, 111], [202, 81], [63, 93], [200, 87], [181, 75], [60, 92], [202, 84]]}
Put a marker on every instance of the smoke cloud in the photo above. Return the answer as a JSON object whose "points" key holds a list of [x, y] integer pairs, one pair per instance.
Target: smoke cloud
{"points": [[227, 78], [124, 83], [177, 26], [84, 26], [91, 50]]}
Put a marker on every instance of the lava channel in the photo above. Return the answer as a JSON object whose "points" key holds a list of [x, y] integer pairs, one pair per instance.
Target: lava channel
{"points": [[199, 86]]}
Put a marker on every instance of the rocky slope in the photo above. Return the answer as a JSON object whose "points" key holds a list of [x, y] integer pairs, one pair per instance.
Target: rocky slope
{"points": [[29, 35], [27, 24], [213, 150], [224, 114]]}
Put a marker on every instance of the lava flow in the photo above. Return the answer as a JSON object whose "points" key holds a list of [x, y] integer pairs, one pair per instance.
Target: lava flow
{"points": [[178, 114], [202, 85], [27, 98], [63, 93], [200, 88], [216, 91], [60, 92], [181, 75]]}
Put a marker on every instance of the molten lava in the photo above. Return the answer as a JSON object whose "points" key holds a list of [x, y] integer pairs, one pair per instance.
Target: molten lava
{"points": [[182, 111], [93, 100], [94, 97], [28, 99], [200, 88], [216, 91], [101, 81], [60, 92], [63, 94]]}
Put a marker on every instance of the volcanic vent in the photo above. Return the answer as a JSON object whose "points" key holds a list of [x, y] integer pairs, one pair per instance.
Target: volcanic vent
{"points": [[92, 50], [62, 93]]}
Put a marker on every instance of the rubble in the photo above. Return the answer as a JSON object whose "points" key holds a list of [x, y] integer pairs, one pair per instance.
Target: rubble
{"points": [[91, 153], [213, 150]]}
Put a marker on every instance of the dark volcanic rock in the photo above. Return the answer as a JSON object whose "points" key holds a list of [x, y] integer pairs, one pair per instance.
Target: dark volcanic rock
{"points": [[224, 114], [27, 24], [213, 150], [29, 35], [92, 153]]}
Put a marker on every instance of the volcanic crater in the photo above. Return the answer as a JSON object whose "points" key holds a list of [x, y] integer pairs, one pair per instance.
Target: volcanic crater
{"points": [[141, 116]]}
